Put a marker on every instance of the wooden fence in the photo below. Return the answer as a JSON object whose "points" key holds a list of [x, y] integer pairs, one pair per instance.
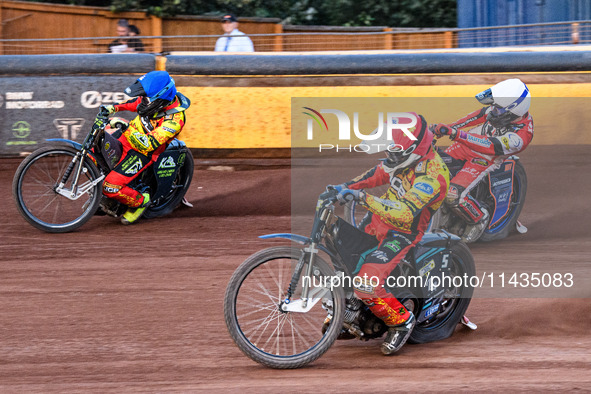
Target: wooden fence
{"points": [[41, 28]]}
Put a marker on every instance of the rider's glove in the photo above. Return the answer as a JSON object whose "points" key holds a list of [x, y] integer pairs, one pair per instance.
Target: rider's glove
{"points": [[338, 188], [347, 195], [106, 110], [440, 129], [118, 123]]}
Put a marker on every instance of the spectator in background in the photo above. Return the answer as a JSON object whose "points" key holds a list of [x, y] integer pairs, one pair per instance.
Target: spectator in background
{"points": [[233, 39], [119, 45], [134, 44]]}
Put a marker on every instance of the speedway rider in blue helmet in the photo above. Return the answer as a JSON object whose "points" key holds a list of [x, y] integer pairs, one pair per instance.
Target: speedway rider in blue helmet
{"points": [[161, 116]]}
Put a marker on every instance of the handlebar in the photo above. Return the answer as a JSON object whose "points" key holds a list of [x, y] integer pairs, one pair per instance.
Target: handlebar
{"points": [[100, 121], [329, 196]]}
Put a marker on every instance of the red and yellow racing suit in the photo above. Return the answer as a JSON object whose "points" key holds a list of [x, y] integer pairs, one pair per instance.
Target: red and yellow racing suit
{"points": [[142, 142], [482, 149], [398, 219]]}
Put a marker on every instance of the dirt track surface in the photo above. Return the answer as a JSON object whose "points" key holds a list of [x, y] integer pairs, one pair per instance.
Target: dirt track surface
{"points": [[122, 309]]}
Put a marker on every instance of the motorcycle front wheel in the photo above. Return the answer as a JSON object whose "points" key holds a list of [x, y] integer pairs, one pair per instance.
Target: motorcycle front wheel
{"points": [[262, 329], [34, 190]]}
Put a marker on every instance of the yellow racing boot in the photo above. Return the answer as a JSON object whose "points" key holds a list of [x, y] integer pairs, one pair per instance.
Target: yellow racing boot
{"points": [[133, 214]]}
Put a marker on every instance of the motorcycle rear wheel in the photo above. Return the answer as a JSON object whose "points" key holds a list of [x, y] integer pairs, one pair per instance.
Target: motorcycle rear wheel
{"points": [[168, 203], [265, 333], [443, 324], [33, 189], [517, 203]]}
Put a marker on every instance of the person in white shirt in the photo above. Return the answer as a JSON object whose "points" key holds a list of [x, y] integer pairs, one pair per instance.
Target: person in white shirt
{"points": [[233, 39]]}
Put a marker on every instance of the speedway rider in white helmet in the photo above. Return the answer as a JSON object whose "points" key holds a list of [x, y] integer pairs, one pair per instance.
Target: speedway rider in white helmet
{"points": [[503, 128]]}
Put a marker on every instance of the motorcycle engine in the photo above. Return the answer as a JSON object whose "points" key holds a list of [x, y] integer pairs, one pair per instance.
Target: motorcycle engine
{"points": [[360, 322]]}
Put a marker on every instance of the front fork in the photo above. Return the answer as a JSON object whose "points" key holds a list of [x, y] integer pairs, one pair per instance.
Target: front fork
{"points": [[79, 158], [309, 254], [75, 192], [306, 285], [310, 297]]}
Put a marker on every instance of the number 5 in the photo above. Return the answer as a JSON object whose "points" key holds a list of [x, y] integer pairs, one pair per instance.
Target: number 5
{"points": [[445, 261]]}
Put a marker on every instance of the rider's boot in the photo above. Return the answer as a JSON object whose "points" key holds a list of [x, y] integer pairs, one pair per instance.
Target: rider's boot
{"points": [[398, 335], [474, 231], [133, 214]]}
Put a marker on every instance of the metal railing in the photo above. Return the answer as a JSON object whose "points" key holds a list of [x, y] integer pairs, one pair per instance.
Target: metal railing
{"points": [[558, 33]]}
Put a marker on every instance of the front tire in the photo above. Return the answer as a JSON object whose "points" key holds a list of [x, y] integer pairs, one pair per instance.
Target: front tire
{"points": [[267, 334], [33, 189]]}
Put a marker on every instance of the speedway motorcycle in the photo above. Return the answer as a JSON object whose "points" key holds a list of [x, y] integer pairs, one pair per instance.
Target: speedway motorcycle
{"points": [[502, 192], [285, 306], [58, 188]]}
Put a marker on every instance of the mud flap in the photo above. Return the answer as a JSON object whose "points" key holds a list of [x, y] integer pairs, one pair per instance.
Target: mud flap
{"points": [[501, 189], [166, 168]]}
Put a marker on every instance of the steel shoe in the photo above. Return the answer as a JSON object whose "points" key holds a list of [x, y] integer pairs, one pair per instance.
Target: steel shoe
{"points": [[398, 335]]}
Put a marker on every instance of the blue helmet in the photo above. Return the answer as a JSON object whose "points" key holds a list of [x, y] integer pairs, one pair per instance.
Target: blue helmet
{"points": [[157, 90]]}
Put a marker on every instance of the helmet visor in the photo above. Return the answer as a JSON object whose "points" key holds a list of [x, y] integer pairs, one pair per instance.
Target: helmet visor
{"points": [[149, 107], [395, 155], [485, 97], [135, 89]]}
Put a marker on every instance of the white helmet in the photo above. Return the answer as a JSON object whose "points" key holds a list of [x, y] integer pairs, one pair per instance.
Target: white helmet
{"points": [[509, 100]]}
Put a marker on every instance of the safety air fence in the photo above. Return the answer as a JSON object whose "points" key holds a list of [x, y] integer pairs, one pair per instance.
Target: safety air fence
{"points": [[243, 102]]}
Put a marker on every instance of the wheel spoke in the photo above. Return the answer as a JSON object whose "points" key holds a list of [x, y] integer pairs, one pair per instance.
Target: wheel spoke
{"points": [[40, 204], [310, 324], [262, 322], [257, 308], [43, 195], [265, 324]]}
